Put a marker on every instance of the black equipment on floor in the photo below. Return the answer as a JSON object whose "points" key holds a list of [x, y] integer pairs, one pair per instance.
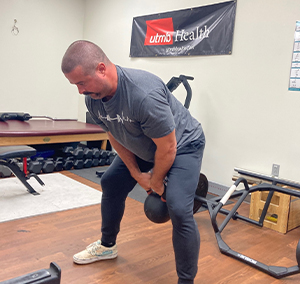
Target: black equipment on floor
{"points": [[215, 205], [42, 276]]}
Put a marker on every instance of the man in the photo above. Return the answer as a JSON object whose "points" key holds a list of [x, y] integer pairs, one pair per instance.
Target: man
{"points": [[150, 130]]}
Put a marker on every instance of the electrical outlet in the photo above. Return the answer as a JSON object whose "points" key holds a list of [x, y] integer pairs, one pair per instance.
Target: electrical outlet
{"points": [[275, 170]]}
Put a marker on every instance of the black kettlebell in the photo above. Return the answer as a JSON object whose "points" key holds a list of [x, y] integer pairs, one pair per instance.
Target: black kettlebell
{"points": [[155, 209]]}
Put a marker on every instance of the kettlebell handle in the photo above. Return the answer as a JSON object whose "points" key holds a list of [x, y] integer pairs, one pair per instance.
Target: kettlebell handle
{"points": [[163, 196]]}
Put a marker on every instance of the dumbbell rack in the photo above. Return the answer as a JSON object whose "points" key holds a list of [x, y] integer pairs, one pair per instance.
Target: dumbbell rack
{"points": [[67, 158]]}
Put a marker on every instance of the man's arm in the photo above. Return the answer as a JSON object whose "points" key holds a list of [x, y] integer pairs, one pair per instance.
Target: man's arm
{"points": [[143, 179], [164, 158]]}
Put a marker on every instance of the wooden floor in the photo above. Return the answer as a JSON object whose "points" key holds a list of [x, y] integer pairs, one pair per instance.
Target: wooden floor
{"points": [[145, 249]]}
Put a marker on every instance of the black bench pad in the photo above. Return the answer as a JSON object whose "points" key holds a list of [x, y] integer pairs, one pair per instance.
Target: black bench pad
{"points": [[7, 152]]}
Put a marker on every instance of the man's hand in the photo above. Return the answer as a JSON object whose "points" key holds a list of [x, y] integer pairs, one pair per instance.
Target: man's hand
{"points": [[157, 186], [146, 181], [143, 179]]}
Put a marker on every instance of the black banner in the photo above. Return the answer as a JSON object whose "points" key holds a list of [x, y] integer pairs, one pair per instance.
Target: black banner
{"points": [[206, 30]]}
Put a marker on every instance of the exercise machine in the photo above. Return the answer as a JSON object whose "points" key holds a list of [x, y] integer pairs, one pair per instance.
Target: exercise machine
{"points": [[215, 206]]}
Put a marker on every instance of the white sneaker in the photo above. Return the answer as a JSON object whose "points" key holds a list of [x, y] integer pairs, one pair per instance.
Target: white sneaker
{"points": [[95, 252]]}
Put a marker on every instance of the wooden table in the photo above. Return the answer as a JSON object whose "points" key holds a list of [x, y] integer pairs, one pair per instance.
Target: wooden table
{"points": [[45, 131]]}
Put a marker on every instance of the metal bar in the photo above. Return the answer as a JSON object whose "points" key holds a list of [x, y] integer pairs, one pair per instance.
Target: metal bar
{"points": [[20, 175], [268, 178], [233, 211], [266, 206]]}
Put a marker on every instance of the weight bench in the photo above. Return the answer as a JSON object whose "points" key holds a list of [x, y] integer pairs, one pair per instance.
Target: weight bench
{"points": [[8, 154]]}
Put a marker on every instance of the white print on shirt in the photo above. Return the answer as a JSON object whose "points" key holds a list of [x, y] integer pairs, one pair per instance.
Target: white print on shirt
{"points": [[119, 118]]}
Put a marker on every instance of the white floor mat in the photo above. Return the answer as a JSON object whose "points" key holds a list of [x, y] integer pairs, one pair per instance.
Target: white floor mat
{"points": [[59, 193]]}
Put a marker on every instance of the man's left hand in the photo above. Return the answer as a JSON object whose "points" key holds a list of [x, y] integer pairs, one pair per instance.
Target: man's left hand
{"points": [[157, 186]]}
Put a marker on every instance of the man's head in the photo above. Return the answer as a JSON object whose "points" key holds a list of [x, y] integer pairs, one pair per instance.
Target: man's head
{"points": [[86, 66]]}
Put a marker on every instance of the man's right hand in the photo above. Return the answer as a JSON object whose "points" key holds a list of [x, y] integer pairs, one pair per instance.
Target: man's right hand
{"points": [[143, 179]]}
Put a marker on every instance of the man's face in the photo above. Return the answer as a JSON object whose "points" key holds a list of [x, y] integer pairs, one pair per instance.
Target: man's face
{"points": [[93, 85]]}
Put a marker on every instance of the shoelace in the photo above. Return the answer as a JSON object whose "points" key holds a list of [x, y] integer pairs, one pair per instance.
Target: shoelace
{"points": [[92, 248]]}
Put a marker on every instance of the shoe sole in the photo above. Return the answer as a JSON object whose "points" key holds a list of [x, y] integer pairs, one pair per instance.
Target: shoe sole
{"points": [[87, 261]]}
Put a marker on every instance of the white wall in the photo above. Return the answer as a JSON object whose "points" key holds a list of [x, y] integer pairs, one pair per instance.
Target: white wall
{"points": [[250, 118], [31, 80]]}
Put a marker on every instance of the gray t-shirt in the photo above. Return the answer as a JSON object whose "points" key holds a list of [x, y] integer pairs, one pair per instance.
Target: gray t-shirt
{"points": [[143, 108]]}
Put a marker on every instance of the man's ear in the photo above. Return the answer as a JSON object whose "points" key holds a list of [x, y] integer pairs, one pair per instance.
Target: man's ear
{"points": [[101, 68]]}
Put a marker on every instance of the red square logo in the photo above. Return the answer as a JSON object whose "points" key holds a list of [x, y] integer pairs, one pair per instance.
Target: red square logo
{"points": [[159, 32]]}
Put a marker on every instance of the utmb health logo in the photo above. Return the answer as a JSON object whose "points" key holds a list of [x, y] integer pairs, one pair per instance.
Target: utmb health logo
{"points": [[161, 32]]}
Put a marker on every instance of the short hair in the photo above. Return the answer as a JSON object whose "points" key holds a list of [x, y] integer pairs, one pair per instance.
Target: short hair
{"points": [[83, 53]]}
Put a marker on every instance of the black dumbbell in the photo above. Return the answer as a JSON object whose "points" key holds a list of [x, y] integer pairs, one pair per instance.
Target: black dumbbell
{"points": [[96, 153], [87, 163], [58, 164], [111, 157], [77, 152], [59, 159], [68, 150], [95, 162], [34, 167], [4, 172], [48, 166], [68, 164], [102, 162], [87, 153], [78, 164], [103, 154], [39, 159]]}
